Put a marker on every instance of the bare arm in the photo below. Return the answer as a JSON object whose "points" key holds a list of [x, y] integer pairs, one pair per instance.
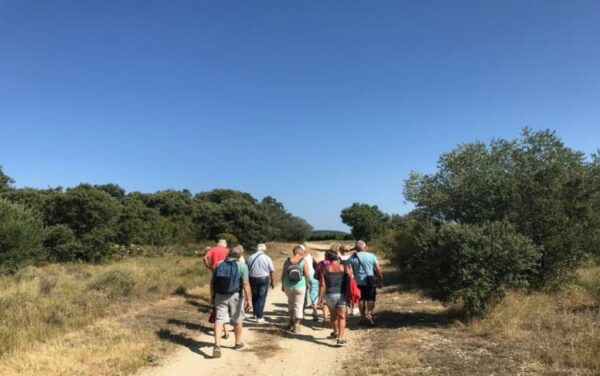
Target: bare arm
{"points": [[247, 295], [272, 283], [321, 286], [379, 275], [206, 259], [282, 276]]}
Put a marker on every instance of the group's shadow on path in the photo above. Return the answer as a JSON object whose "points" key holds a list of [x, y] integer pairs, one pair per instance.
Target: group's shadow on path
{"points": [[179, 339]]}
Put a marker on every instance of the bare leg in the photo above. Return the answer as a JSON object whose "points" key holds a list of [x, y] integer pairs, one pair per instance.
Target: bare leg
{"points": [[341, 314], [326, 315], [370, 309], [218, 329], [237, 330], [361, 306], [334, 321]]}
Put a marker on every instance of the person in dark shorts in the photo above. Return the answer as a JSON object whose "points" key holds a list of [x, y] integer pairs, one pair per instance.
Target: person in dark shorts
{"points": [[369, 278]]}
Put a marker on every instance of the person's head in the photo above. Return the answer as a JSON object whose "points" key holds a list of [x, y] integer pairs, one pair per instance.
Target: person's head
{"points": [[222, 243], [335, 247], [360, 246], [344, 249], [298, 250], [261, 247], [236, 252], [331, 255]]}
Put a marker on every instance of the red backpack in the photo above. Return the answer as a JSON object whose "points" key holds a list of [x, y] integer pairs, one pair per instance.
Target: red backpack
{"points": [[353, 290]]}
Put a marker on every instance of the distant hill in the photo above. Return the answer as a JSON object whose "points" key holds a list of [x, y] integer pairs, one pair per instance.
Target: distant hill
{"points": [[330, 235]]}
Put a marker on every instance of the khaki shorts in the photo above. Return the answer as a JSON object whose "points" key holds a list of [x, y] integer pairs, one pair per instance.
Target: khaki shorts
{"points": [[229, 308]]}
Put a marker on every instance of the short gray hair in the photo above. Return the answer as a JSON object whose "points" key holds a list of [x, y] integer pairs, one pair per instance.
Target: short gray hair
{"points": [[236, 252], [222, 242], [360, 244], [261, 247]]}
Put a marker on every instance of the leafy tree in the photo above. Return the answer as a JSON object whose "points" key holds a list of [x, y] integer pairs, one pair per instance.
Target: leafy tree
{"points": [[5, 181], [366, 222], [282, 225], [471, 263], [112, 189], [21, 236], [535, 183]]}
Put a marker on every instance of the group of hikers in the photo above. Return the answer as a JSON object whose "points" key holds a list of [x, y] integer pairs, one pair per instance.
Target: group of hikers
{"points": [[343, 283]]}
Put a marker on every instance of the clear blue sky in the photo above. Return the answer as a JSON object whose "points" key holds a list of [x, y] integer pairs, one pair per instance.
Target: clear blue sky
{"points": [[317, 103]]}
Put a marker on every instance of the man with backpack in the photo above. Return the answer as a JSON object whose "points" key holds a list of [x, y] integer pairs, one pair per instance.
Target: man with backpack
{"points": [[230, 291], [261, 271], [369, 277]]}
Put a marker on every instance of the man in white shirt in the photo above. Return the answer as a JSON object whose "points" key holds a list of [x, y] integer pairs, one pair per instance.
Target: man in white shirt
{"points": [[261, 270]]}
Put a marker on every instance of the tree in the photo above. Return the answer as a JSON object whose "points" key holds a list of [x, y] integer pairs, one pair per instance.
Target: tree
{"points": [[5, 181], [536, 183], [282, 225], [366, 222], [21, 236]]}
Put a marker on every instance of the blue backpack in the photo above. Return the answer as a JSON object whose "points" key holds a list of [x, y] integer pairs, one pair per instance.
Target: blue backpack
{"points": [[227, 278]]}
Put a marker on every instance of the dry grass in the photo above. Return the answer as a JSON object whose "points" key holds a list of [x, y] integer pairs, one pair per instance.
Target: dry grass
{"points": [[559, 332], [541, 333], [39, 306]]}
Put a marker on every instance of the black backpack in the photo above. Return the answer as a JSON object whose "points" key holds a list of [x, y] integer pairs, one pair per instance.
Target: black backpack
{"points": [[227, 278]]}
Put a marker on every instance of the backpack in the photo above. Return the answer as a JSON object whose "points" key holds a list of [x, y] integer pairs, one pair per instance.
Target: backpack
{"points": [[227, 278], [294, 271]]}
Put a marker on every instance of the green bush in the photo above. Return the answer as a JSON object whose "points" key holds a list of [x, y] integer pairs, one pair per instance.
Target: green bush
{"points": [[471, 263], [21, 236], [116, 282], [61, 244]]}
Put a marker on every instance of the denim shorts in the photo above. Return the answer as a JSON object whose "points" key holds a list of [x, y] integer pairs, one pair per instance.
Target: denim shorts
{"points": [[336, 300]]}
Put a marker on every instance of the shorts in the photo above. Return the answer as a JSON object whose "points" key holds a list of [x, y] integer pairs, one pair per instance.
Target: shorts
{"points": [[229, 308], [336, 300], [368, 293]]}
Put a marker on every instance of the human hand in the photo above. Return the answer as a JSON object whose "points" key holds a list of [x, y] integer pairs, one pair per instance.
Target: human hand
{"points": [[247, 306]]}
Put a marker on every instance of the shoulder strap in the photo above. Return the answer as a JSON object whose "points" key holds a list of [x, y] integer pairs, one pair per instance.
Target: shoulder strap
{"points": [[360, 262], [254, 261]]}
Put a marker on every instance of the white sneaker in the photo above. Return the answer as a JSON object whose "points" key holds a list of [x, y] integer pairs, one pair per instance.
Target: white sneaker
{"points": [[261, 321], [355, 311]]}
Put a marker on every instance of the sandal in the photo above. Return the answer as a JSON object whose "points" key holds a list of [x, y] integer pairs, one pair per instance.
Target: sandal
{"points": [[333, 335], [341, 342], [238, 346], [225, 335], [216, 352]]}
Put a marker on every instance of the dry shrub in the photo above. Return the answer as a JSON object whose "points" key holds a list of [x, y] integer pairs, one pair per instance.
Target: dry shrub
{"points": [[115, 283], [560, 332], [47, 283]]}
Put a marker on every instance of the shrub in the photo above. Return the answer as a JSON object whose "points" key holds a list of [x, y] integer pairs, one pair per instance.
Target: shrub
{"points": [[61, 244], [116, 282], [472, 263], [47, 283], [21, 236]]}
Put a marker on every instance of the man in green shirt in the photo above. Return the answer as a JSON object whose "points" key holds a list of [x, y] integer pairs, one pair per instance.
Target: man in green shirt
{"points": [[230, 290]]}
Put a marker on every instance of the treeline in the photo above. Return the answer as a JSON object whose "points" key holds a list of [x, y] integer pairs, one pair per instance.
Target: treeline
{"points": [[520, 213], [92, 222]]}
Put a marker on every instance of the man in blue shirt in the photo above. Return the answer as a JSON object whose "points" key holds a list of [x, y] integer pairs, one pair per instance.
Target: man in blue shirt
{"points": [[261, 271], [369, 277]]}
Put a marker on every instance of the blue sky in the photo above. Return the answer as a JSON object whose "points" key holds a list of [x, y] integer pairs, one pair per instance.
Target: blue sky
{"points": [[317, 103]]}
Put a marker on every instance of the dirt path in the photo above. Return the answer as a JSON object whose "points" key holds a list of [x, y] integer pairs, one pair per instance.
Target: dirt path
{"points": [[269, 349]]}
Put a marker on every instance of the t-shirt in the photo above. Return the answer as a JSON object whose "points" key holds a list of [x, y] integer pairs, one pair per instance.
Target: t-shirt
{"points": [[260, 265], [309, 260], [369, 261], [216, 255], [286, 280]]}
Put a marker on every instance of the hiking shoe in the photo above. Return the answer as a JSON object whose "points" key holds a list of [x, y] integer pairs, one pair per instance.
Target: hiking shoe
{"points": [[341, 342], [332, 335], [260, 321], [238, 346], [216, 352]]}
